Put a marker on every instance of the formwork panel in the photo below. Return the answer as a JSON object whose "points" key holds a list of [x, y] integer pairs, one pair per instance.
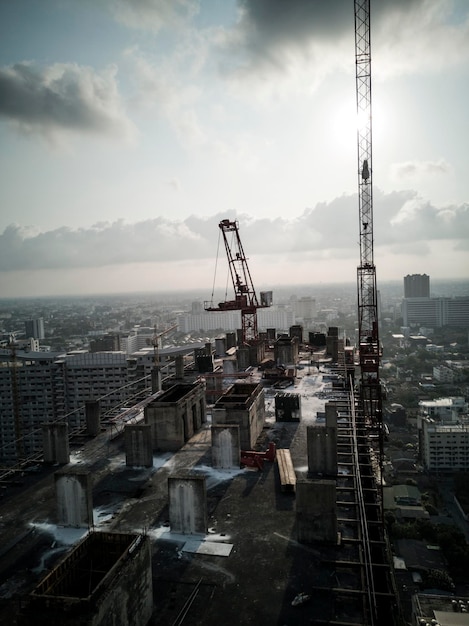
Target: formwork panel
{"points": [[106, 580]]}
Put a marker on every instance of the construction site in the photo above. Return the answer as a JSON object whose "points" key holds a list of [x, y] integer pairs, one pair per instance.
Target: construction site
{"points": [[244, 487]]}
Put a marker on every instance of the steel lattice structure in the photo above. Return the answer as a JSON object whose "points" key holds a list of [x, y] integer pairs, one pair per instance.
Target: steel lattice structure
{"points": [[368, 335]]}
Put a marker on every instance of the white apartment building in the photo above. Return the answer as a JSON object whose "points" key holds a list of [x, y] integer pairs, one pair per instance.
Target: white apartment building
{"points": [[444, 409], [443, 374], [271, 317], [444, 447], [436, 312], [43, 387]]}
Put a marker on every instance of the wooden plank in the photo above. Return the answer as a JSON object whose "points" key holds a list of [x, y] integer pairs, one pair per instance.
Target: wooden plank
{"points": [[286, 470]]}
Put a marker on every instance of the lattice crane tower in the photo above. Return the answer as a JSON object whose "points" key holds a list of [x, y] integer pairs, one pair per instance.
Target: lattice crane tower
{"points": [[368, 337]]}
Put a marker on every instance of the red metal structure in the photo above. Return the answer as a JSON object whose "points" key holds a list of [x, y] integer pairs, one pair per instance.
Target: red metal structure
{"points": [[251, 458], [245, 299]]}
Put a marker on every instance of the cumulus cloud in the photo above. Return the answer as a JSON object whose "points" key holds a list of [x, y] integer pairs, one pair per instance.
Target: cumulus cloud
{"points": [[154, 15], [329, 230], [315, 38], [412, 169], [63, 97]]}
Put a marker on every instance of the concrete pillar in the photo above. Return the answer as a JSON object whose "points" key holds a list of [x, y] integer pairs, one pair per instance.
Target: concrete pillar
{"points": [[322, 450], [220, 346], [155, 379], [331, 414], [55, 442], [179, 366], [225, 447], [316, 511], [230, 340], [208, 348], [73, 489], [93, 417], [138, 447], [243, 358], [187, 504]]}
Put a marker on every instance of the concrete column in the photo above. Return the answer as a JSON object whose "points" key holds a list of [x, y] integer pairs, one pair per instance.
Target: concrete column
{"points": [[138, 447], [322, 450], [179, 365], [155, 379], [73, 490], [188, 504], [316, 511], [331, 414], [55, 442], [225, 447], [220, 346], [93, 417]]}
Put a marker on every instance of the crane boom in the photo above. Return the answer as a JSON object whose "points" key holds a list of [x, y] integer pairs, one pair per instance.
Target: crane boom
{"points": [[368, 335]]}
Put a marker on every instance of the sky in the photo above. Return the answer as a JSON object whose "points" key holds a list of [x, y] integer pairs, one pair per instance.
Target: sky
{"points": [[130, 128]]}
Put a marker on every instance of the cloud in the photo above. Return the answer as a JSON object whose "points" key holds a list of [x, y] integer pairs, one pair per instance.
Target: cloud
{"points": [[154, 15], [412, 169], [63, 97], [329, 230], [312, 39]]}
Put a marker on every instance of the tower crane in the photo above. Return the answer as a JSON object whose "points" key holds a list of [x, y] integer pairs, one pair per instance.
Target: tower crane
{"points": [[369, 348], [245, 299]]}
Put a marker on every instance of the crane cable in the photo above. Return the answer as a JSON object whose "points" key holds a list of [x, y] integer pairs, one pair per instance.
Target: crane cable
{"points": [[216, 263]]}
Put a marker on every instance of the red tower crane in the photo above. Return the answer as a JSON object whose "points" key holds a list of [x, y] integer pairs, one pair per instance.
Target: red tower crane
{"points": [[369, 347], [245, 299]]}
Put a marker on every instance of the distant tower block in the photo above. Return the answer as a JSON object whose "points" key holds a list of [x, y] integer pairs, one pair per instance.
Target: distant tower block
{"points": [[55, 442], [73, 490], [316, 511], [331, 414], [138, 448], [187, 504], [225, 447], [179, 366], [322, 450], [93, 417]]}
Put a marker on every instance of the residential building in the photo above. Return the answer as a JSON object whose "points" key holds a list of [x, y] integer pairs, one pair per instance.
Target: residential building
{"points": [[444, 409], [35, 328], [416, 286], [436, 312], [444, 447]]}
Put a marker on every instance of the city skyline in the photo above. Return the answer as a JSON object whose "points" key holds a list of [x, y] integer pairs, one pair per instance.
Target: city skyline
{"points": [[130, 129]]}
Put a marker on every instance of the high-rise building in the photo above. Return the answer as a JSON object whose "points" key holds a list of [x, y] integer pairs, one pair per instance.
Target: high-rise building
{"points": [[416, 286], [35, 328], [436, 312]]}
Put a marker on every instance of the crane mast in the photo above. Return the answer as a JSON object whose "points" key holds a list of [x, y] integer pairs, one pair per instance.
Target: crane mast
{"points": [[368, 336], [245, 299]]}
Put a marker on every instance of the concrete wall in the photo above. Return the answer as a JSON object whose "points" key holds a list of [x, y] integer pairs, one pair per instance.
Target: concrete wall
{"points": [[225, 447], [73, 489], [242, 405], [316, 511], [176, 415], [187, 504], [55, 442], [322, 450], [138, 449], [116, 591]]}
